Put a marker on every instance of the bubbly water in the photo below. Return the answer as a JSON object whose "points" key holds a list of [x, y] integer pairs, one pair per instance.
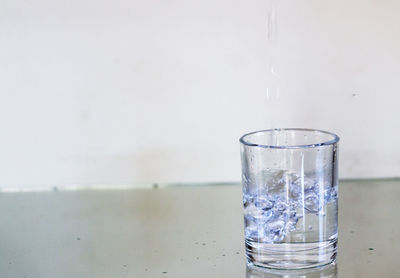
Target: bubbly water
{"points": [[283, 208]]}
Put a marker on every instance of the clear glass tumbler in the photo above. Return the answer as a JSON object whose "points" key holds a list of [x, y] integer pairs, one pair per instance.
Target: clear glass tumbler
{"points": [[290, 197]]}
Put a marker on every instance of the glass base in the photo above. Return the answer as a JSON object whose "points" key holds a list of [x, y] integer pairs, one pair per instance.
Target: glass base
{"points": [[327, 271], [291, 255]]}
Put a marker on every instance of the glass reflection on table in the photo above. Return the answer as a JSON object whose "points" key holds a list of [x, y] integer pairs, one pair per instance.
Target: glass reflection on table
{"points": [[329, 271]]}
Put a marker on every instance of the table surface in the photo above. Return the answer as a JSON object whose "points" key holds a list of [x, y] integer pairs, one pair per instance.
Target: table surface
{"points": [[178, 232]]}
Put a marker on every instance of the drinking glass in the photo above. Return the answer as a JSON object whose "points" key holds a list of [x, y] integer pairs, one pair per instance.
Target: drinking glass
{"points": [[290, 197]]}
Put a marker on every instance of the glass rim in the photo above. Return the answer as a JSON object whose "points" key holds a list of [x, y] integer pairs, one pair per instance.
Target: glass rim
{"points": [[335, 139]]}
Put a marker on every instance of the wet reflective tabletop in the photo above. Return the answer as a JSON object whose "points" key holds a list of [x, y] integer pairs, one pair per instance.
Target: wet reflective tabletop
{"points": [[193, 231]]}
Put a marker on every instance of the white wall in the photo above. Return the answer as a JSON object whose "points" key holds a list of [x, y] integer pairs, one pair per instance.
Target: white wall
{"points": [[148, 91]]}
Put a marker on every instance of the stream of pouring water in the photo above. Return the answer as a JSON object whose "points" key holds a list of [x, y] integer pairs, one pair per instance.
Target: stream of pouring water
{"points": [[273, 86]]}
